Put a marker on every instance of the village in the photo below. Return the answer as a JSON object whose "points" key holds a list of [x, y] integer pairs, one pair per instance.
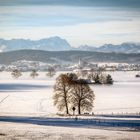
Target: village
{"points": [[24, 66]]}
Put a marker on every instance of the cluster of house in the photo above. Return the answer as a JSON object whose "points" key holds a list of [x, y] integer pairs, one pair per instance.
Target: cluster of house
{"points": [[24, 65], [105, 66]]}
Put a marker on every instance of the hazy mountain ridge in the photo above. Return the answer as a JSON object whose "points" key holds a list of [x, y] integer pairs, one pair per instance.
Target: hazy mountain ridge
{"points": [[122, 48], [49, 44], [58, 44], [59, 57]]}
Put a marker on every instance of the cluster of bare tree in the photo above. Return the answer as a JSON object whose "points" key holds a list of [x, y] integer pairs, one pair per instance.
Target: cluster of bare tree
{"points": [[72, 93], [17, 73]]}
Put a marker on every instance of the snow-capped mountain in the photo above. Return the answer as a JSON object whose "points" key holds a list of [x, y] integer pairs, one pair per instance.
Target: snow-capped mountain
{"points": [[86, 48], [122, 48], [58, 44], [49, 44]]}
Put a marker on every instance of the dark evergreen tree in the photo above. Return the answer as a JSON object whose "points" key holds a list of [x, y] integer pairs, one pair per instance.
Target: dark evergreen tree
{"points": [[97, 79], [109, 79]]}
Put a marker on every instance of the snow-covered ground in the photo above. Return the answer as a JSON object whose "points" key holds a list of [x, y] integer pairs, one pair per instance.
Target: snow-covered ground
{"points": [[40, 132], [14, 131], [121, 97], [33, 98], [26, 96]]}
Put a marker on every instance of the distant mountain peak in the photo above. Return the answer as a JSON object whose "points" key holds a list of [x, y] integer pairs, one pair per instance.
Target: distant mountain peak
{"points": [[50, 44], [125, 47]]}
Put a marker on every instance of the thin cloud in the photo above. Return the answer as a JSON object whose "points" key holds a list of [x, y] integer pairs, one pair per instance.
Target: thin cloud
{"points": [[92, 22], [61, 16]]}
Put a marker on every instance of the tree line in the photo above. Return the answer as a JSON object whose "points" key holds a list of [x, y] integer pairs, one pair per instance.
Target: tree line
{"points": [[95, 77], [16, 73], [92, 77]]}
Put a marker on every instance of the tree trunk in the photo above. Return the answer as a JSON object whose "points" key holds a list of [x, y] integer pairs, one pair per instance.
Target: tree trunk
{"points": [[67, 110], [79, 108], [66, 104]]}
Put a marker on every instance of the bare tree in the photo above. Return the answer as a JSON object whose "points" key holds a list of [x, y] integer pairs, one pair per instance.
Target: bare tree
{"points": [[62, 96], [16, 73], [82, 96], [51, 72], [71, 92], [34, 74]]}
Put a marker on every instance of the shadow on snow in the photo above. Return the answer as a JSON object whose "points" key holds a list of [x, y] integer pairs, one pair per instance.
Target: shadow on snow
{"points": [[17, 87], [71, 122]]}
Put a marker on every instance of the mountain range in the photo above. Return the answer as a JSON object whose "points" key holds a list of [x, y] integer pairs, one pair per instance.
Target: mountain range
{"points": [[58, 44], [122, 48], [49, 44]]}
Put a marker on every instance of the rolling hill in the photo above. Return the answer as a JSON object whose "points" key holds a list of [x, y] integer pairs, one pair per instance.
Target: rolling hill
{"points": [[66, 56]]}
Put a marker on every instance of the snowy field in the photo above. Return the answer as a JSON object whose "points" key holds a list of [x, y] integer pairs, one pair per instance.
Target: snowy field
{"points": [[14, 131], [29, 98]]}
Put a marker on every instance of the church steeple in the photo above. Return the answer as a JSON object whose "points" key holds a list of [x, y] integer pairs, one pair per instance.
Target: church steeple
{"points": [[79, 62]]}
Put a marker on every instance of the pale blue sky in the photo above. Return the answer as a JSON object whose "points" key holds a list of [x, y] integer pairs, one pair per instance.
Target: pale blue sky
{"points": [[92, 22]]}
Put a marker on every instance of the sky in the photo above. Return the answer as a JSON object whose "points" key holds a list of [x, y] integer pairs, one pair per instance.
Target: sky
{"points": [[80, 22]]}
